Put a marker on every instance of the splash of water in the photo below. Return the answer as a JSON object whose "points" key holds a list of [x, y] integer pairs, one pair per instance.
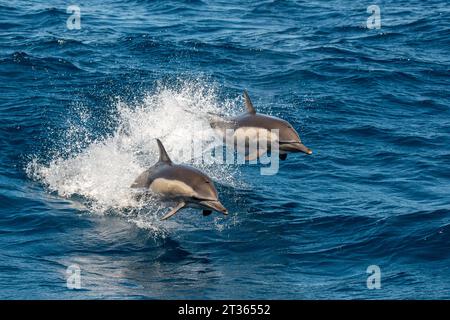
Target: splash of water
{"points": [[102, 172]]}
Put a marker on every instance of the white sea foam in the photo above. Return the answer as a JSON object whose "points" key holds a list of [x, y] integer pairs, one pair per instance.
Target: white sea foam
{"points": [[102, 171]]}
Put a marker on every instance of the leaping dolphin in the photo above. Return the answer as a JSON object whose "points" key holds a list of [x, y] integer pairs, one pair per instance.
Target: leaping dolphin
{"points": [[186, 186], [255, 125]]}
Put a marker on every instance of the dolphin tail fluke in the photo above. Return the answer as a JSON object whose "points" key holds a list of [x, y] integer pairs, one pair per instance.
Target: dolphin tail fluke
{"points": [[174, 210], [163, 156], [248, 103]]}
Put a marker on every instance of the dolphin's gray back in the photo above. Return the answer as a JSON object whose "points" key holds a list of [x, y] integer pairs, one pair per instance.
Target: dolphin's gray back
{"points": [[258, 121], [222, 123], [247, 120], [188, 175]]}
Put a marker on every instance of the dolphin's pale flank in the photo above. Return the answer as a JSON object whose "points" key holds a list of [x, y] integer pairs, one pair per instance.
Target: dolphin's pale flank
{"points": [[251, 127], [186, 186]]}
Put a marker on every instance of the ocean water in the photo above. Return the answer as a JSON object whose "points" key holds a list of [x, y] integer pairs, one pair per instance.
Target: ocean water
{"points": [[80, 110]]}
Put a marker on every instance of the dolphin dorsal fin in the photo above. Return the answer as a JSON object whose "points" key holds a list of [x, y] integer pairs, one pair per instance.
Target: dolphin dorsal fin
{"points": [[248, 103], [163, 156]]}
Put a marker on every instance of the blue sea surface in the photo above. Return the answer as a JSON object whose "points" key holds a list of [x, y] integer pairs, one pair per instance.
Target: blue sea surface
{"points": [[80, 109]]}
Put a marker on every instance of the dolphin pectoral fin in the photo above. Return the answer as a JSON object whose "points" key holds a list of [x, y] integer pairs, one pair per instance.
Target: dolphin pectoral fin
{"points": [[206, 212], [174, 210], [282, 156]]}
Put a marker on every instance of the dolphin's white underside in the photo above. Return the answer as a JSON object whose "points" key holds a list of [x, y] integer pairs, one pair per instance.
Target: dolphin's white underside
{"points": [[172, 188], [255, 134], [259, 139]]}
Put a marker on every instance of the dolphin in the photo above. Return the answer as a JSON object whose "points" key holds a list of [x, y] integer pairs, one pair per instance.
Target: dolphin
{"points": [[186, 186], [253, 125]]}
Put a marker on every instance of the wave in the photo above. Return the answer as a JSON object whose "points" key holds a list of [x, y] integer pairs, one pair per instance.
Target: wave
{"points": [[21, 58]]}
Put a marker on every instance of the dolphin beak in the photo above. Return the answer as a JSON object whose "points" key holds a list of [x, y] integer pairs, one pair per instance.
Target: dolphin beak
{"points": [[214, 205], [301, 147], [295, 147]]}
